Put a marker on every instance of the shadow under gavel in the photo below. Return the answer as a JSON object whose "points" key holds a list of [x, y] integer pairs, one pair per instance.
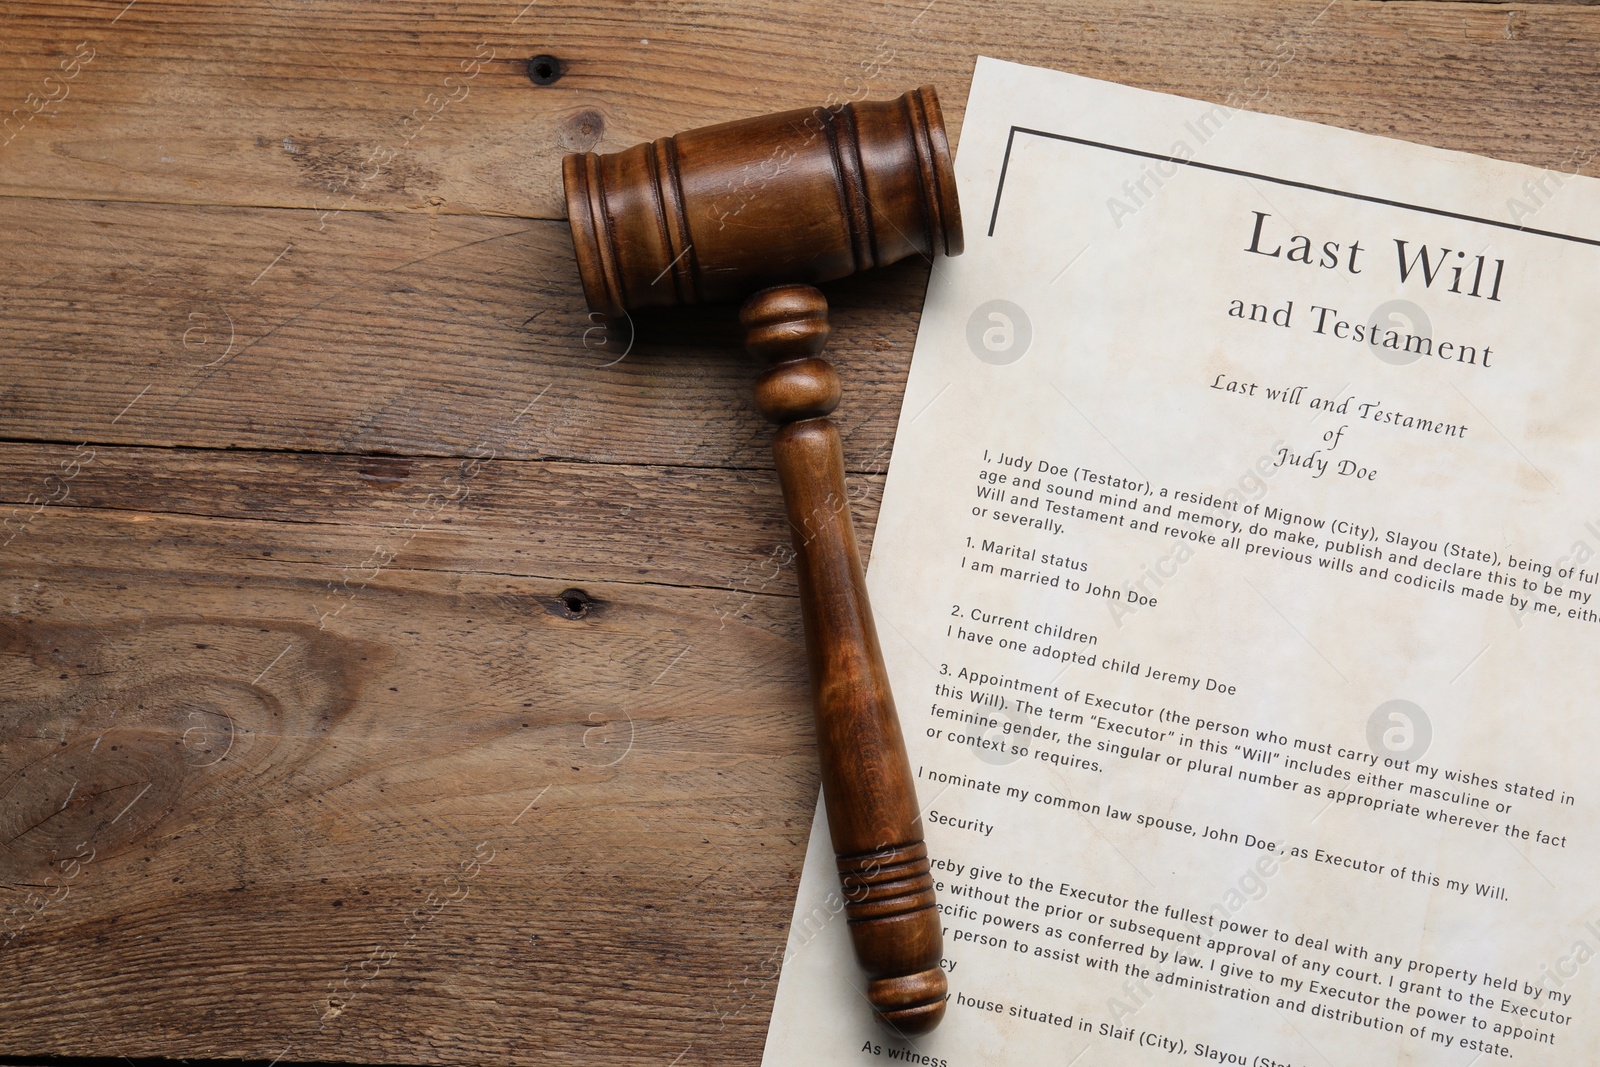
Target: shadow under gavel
{"points": [[757, 210]]}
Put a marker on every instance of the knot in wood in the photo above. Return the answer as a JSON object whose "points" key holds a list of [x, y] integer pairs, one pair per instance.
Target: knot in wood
{"points": [[785, 322]]}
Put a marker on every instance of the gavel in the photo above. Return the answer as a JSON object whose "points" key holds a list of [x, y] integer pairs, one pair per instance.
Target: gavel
{"points": [[760, 209]]}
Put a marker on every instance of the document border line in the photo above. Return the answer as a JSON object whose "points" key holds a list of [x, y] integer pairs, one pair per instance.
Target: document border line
{"points": [[1235, 172]]}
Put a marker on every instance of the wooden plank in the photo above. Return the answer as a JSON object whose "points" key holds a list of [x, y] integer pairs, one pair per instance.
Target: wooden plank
{"points": [[721, 531], [221, 825], [453, 335], [306, 103]]}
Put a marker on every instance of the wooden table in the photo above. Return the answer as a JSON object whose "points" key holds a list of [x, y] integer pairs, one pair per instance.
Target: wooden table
{"points": [[400, 664]]}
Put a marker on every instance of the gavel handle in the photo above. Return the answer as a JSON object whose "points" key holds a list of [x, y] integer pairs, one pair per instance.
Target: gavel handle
{"points": [[873, 815]]}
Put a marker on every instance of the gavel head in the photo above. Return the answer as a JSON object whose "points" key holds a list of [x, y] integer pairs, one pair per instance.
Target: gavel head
{"points": [[801, 196]]}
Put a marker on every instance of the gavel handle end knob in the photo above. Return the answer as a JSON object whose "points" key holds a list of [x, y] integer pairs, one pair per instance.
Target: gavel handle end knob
{"points": [[894, 927], [913, 1004]]}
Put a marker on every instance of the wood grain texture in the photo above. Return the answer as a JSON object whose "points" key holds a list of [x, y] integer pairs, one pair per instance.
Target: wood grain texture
{"points": [[298, 311], [253, 803], [555, 520], [302, 103], [381, 333]]}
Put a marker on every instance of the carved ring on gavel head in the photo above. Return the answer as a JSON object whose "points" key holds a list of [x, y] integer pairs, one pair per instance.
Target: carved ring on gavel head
{"points": [[760, 209]]}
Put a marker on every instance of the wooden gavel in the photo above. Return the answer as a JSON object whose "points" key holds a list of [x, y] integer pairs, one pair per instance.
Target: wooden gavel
{"points": [[763, 206]]}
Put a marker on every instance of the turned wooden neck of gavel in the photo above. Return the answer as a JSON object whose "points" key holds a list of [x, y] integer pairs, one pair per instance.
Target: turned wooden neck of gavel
{"points": [[758, 206]]}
